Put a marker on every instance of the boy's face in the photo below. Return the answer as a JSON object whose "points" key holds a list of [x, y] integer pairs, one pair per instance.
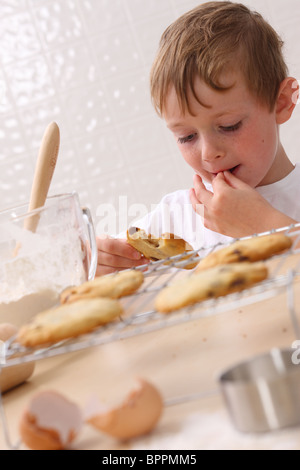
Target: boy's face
{"points": [[230, 130]]}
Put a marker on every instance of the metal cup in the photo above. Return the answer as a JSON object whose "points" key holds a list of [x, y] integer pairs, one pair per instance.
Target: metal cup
{"points": [[263, 393]]}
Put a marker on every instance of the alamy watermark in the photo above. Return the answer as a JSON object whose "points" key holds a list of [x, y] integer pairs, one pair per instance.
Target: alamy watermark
{"points": [[159, 218]]}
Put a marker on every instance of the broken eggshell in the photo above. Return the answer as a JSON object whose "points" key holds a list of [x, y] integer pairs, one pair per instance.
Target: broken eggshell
{"points": [[137, 415], [50, 422]]}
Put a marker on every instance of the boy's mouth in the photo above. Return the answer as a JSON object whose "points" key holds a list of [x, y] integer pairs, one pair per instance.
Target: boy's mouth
{"points": [[232, 170]]}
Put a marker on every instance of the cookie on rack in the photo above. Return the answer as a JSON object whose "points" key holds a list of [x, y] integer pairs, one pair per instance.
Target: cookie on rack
{"points": [[211, 283], [159, 248], [253, 249], [114, 286], [68, 321]]}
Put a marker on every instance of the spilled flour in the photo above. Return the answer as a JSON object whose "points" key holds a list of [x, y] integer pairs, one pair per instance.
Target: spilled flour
{"points": [[214, 431]]}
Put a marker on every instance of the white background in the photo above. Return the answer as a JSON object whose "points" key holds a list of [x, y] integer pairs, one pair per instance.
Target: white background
{"points": [[85, 64]]}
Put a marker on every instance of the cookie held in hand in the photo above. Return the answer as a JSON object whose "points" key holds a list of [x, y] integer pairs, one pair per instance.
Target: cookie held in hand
{"points": [[159, 248]]}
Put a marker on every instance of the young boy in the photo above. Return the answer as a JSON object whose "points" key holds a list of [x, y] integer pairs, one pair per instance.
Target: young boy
{"points": [[221, 84]]}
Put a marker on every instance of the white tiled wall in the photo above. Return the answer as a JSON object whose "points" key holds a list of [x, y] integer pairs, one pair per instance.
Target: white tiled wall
{"points": [[85, 64]]}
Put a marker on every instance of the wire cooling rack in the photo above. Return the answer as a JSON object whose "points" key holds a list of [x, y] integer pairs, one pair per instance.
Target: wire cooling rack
{"points": [[140, 316]]}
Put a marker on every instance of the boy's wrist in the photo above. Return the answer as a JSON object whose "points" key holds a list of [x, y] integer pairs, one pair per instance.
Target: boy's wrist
{"points": [[277, 219]]}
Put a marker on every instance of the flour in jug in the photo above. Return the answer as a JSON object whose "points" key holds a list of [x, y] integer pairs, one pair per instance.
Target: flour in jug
{"points": [[33, 280]]}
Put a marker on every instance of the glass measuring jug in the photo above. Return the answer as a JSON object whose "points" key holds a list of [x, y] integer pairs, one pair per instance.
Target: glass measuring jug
{"points": [[59, 253]]}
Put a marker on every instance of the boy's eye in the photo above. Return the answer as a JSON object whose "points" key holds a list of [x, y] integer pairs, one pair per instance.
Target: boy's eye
{"points": [[232, 128], [184, 140]]}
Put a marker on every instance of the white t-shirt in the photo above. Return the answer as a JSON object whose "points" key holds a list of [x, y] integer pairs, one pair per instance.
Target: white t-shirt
{"points": [[175, 214]]}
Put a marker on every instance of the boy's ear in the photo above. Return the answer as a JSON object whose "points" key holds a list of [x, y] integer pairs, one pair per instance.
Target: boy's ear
{"points": [[287, 99]]}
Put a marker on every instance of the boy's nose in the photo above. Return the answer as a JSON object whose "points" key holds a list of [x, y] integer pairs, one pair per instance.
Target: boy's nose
{"points": [[210, 151]]}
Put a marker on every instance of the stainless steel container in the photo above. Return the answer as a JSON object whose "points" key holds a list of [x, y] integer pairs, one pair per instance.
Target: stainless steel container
{"points": [[263, 393]]}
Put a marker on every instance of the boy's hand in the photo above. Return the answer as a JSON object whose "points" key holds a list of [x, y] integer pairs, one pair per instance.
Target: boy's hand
{"points": [[234, 208], [116, 254]]}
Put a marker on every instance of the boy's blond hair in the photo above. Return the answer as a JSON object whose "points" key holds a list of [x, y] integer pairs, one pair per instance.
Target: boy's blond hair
{"points": [[210, 39]]}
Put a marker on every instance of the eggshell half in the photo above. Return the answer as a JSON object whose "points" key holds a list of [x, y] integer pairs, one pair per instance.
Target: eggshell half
{"points": [[50, 422], [137, 415], [12, 376]]}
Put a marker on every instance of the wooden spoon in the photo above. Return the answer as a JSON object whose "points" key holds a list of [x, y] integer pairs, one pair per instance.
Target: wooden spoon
{"points": [[44, 170]]}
